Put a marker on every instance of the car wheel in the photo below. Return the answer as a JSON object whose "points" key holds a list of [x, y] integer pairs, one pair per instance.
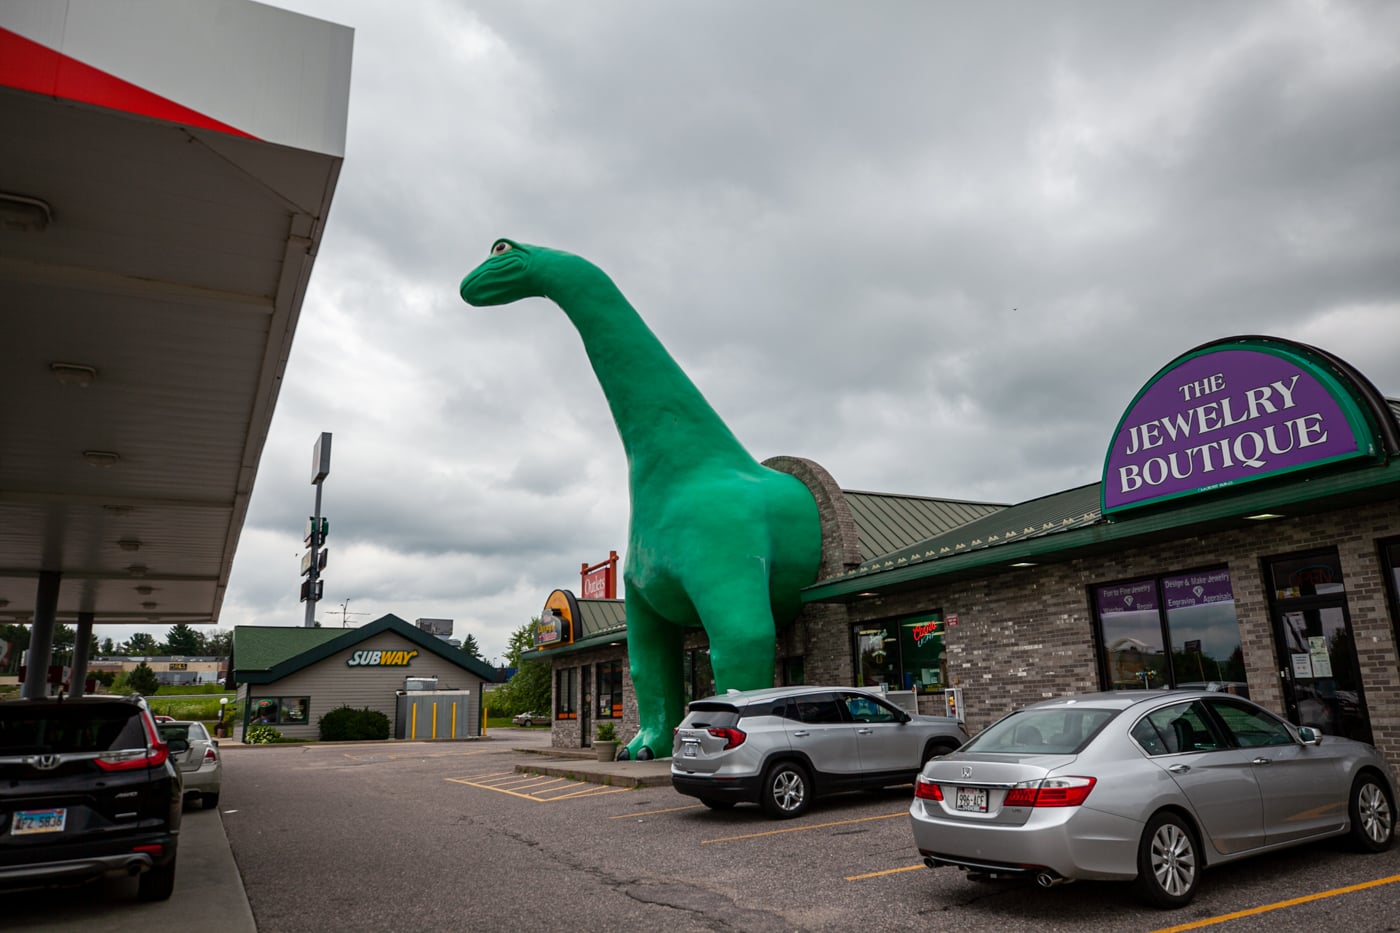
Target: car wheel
{"points": [[714, 804], [1169, 867], [1372, 815], [787, 790], [157, 883], [209, 801], [935, 750]]}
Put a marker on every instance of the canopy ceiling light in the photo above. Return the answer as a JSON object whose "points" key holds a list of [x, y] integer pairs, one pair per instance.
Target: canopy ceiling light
{"points": [[100, 458], [25, 214], [129, 544], [73, 374], [136, 570]]}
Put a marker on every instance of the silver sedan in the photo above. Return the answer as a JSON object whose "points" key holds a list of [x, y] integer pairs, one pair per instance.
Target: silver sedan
{"points": [[1145, 786]]}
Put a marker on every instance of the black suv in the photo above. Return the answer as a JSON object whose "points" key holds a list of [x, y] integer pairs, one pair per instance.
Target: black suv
{"points": [[87, 788]]}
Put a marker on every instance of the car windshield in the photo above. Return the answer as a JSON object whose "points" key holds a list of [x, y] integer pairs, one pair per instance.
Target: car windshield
{"points": [[69, 729], [1053, 731]]}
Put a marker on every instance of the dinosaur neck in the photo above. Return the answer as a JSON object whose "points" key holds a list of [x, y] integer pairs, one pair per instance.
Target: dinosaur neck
{"points": [[662, 418]]}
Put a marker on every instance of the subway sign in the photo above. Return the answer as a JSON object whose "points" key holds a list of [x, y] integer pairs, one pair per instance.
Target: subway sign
{"points": [[376, 658], [1232, 412]]}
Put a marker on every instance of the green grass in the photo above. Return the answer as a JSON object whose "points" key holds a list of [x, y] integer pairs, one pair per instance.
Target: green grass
{"points": [[205, 710]]}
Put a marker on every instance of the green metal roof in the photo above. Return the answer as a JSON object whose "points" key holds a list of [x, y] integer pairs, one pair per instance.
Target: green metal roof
{"points": [[264, 653], [1068, 523], [887, 523]]}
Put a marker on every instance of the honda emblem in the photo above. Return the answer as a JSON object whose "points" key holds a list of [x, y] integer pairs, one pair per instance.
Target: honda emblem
{"points": [[966, 771], [46, 762]]}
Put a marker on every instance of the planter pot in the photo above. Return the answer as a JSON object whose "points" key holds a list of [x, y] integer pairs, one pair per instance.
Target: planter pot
{"points": [[606, 751]]}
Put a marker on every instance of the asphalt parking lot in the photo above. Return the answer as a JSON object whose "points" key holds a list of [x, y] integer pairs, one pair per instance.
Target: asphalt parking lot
{"points": [[448, 836]]}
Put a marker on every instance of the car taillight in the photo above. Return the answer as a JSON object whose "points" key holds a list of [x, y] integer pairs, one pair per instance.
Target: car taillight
{"points": [[732, 737], [1050, 792], [155, 753], [927, 790]]}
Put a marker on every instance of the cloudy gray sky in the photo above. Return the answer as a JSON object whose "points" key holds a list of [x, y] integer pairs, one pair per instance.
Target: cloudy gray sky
{"points": [[936, 247]]}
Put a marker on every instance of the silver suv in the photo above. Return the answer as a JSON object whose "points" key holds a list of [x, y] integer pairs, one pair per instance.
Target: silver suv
{"points": [[782, 746]]}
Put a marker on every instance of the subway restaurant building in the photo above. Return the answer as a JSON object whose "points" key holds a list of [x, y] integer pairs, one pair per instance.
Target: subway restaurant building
{"points": [[289, 677], [1244, 535]]}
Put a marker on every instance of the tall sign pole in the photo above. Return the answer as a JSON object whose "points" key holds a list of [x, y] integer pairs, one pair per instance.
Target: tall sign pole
{"points": [[314, 560]]}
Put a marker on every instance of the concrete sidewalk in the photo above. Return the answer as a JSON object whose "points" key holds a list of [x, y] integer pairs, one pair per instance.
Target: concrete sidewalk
{"points": [[583, 765]]}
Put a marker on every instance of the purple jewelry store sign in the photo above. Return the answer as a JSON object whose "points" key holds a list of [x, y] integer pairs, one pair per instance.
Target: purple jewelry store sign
{"points": [[1221, 418]]}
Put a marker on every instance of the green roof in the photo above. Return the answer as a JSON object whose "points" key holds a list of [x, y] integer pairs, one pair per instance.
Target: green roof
{"points": [[888, 522], [1068, 523], [265, 653]]}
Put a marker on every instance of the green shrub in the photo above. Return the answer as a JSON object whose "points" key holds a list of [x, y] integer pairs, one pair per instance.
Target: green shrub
{"points": [[344, 724], [607, 732], [262, 734]]}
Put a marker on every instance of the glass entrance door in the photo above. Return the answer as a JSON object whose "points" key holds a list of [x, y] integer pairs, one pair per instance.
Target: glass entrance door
{"points": [[1317, 653]]}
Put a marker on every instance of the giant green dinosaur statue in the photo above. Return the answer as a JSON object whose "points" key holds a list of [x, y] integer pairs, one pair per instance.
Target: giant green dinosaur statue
{"points": [[715, 538]]}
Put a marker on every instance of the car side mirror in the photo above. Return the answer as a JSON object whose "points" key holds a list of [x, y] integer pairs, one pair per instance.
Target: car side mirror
{"points": [[902, 716], [178, 745], [1309, 736]]}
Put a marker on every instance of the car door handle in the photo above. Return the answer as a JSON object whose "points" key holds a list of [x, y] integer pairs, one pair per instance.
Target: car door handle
{"points": [[1262, 761], [801, 733], [1179, 769], [864, 731]]}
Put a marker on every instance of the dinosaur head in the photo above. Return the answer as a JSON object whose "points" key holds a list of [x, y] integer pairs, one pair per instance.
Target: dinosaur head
{"points": [[510, 273]]}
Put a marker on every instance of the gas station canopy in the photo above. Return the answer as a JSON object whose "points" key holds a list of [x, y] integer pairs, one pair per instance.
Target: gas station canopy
{"points": [[166, 171]]}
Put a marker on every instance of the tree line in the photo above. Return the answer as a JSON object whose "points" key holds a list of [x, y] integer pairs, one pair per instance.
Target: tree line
{"points": [[181, 641]]}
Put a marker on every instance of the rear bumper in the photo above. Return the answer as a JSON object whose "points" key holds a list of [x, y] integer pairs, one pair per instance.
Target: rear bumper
{"points": [[737, 790], [1074, 843], [46, 864]]}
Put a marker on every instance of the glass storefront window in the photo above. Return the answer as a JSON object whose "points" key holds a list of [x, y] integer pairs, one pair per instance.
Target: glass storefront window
{"points": [[1176, 630], [1130, 630], [566, 693], [610, 690], [279, 711], [1307, 575], [1204, 630], [699, 677], [900, 654]]}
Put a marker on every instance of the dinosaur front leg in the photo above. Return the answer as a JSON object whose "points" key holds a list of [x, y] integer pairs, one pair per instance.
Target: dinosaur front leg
{"points": [[655, 653]]}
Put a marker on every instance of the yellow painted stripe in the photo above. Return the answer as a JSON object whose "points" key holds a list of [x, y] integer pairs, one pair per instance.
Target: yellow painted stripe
{"points": [[1294, 902], [803, 829], [628, 816], [881, 874]]}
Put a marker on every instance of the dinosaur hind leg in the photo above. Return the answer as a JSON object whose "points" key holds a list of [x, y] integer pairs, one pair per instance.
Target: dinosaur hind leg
{"points": [[655, 649], [739, 622]]}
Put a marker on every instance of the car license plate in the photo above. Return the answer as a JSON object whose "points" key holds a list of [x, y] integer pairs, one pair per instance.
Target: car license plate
{"points": [[691, 749], [38, 821], [973, 799]]}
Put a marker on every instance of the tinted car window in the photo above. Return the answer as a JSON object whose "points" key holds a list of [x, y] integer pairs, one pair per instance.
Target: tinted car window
{"points": [[711, 715], [864, 709], [820, 708], [1174, 730], [1251, 728], [72, 729]]}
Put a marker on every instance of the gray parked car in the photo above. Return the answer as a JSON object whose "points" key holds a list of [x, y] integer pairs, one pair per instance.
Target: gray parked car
{"points": [[782, 747], [199, 764], [1145, 786]]}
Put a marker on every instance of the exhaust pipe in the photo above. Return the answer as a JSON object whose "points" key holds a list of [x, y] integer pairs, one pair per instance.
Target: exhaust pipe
{"points": [[929, 862], [1048, 879]]}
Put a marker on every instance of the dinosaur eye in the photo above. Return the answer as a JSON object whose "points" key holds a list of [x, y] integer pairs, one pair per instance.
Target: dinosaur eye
{"points": [[501, 247]]}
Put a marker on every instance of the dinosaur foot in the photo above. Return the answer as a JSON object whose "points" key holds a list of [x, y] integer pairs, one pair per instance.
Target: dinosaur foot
{"points": [[639, 750]]}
